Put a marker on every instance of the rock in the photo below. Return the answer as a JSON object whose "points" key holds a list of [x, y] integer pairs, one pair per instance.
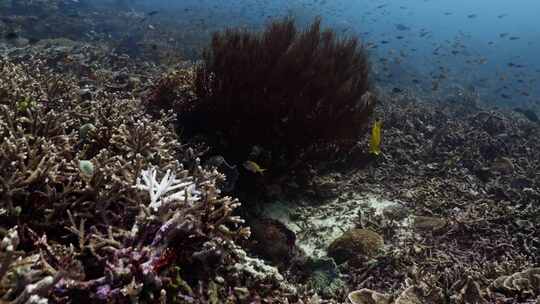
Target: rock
{"points": [[429, 223], [368, 296], [272, 240], [355, 244]]}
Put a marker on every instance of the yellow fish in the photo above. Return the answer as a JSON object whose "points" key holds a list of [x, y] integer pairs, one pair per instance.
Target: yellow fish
{"points": [[375, 141], [253, 167]]}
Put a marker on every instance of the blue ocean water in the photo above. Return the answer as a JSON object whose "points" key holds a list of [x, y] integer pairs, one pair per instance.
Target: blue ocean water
{"points": [[487, 47]]}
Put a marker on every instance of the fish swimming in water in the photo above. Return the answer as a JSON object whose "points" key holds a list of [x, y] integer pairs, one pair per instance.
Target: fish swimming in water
{"points": [[424, 33], [253, 167], [401, 27], [375, 141], [515, 65]]}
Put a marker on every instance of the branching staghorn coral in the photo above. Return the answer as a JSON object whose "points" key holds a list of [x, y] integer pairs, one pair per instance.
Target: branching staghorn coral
{"points": [[22, 277], [44, 143], [189, 231], [107, 212]]}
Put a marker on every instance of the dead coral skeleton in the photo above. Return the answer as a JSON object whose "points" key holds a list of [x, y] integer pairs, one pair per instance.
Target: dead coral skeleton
{"points": [[184, 191]]}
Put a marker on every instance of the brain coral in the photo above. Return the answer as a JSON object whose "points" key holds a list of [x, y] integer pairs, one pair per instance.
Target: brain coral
{"points": [[355, 244]]}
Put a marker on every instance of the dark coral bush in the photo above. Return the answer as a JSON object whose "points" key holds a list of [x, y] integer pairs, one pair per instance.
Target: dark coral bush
{"points": [[286, 90]]}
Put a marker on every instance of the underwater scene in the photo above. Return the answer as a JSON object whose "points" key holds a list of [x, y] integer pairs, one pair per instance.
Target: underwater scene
{"points": [[269, 151]]}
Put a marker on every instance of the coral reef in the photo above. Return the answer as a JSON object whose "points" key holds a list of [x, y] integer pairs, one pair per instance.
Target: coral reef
{"points": [[100, 202], [285, 90], [104, 210], [458, 218], [467, 193]]}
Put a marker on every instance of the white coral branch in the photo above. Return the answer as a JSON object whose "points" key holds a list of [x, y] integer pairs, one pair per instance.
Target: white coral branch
{"points": [[160, 191]]}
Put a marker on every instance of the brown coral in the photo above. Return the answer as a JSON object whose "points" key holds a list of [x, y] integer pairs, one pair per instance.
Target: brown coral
{"points": [[285, 90], [355, 244]]}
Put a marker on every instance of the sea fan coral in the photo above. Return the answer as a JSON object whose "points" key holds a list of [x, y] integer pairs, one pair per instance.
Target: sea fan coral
{"points": [[285, 90]]}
